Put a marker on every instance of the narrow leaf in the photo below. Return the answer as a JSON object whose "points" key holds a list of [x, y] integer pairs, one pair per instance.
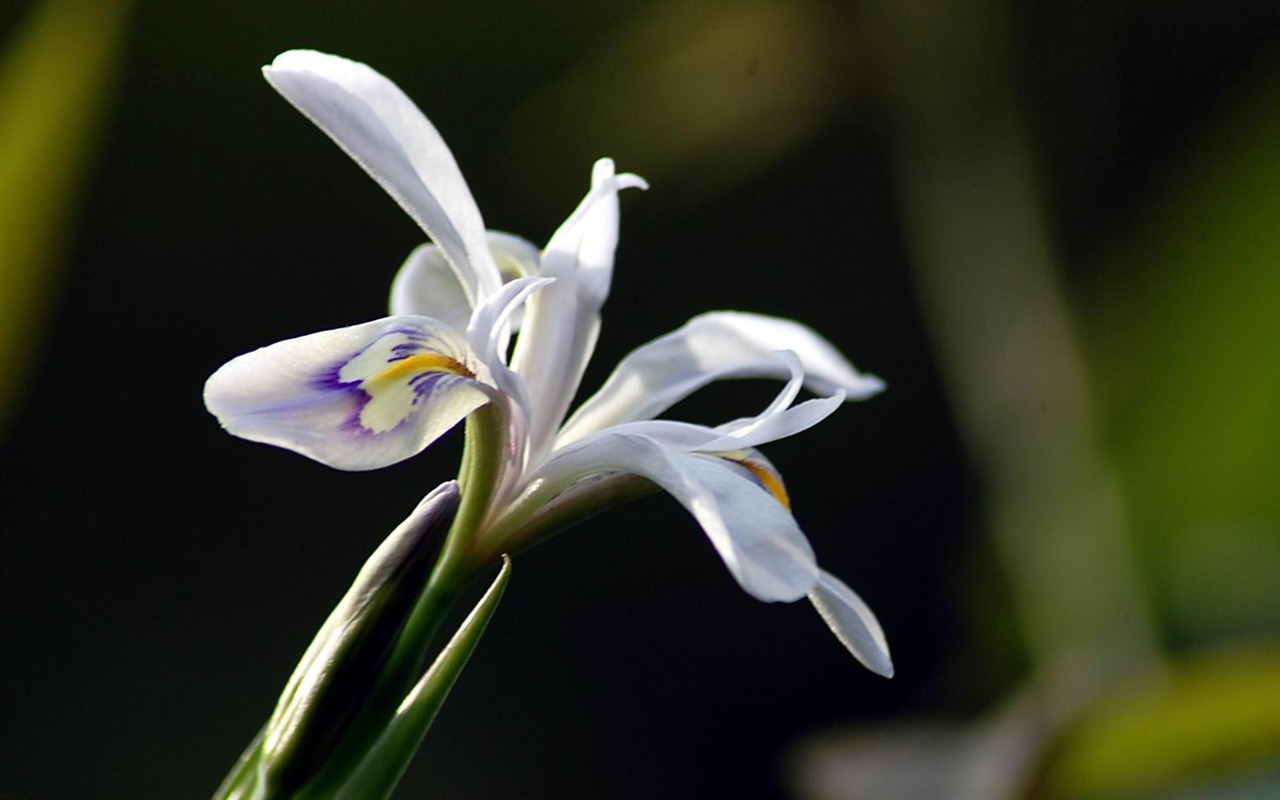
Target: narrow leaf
{"points": [[378, 775]]}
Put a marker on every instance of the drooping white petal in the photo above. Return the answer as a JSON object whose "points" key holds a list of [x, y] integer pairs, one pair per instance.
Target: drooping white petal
{"points": [[714, 346], [562, 322], [756, 537], [853, 623], [355, 398], [385, 133]]}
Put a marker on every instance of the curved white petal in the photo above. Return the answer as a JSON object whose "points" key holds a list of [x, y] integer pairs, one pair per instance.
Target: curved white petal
{"points": [[486, 329], [791, 389], [853, 623], [385, 133], [755, 536], [587, 240], [562, 322], [427, 286], [778, 420], [685, 437], [778, 425], [714, 346], [487, 333], [689, 437], [354, 398], [516, 256]]}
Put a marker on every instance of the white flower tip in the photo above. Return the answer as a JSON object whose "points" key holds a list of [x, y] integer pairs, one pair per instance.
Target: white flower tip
{"points": [[853, 623], [868, 386], [325, 66], [603, 171], [629, 180], [878, 661], [302, 58]]}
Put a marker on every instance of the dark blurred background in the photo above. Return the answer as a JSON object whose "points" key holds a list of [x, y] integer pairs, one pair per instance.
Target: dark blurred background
{"points": [[1053, 228]]}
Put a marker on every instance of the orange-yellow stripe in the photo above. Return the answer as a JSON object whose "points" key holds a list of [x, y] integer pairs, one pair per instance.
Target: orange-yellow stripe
{"points": [[768, 480], [422, 362]]}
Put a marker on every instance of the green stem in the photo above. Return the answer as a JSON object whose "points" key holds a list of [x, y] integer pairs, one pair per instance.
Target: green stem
{"points": [[242, 782], [483, 461], [460, 561], [519, 531], [381, 770], [397, 678]]}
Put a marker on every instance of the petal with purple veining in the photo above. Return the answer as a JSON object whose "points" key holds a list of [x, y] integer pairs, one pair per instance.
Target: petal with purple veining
{"points": [[354, 398]]}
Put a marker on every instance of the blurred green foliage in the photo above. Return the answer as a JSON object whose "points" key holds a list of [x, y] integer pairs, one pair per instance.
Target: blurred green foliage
{"points": [[1184, 337], [55, 77], [1183, 331], [1212, 715]]}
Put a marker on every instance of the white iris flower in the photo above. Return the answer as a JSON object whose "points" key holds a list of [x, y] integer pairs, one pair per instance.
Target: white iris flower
{"points": [[374, 394]]}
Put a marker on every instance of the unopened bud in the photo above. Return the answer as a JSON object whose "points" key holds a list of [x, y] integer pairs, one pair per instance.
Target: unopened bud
{"points": [[343, 662]]}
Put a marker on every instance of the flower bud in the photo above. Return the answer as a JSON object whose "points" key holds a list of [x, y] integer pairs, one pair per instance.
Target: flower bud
{"points": [[345, 659]]}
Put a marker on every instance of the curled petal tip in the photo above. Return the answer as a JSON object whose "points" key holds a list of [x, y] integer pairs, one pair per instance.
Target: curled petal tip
{"points": [[628, 180], [605, 170]]}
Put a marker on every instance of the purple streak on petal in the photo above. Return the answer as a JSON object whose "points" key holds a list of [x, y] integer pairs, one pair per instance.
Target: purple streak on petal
{"points": [[328, 382], [426, 383]]}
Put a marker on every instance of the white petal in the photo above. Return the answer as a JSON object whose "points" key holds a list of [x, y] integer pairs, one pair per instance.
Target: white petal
{"points": [[487, 333], [769, 427], [723, 344], [427, 286], [756, 537], [791, 389], [686, 437], [852, 622], [775, 426], [777, 421], [587, 240], [355, 398], [562, 322], [385, 133], [484, 331], [516, 257]]}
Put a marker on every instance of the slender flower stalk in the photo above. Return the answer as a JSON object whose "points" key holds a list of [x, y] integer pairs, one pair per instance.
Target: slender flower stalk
{"points": [[486, 327]]}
